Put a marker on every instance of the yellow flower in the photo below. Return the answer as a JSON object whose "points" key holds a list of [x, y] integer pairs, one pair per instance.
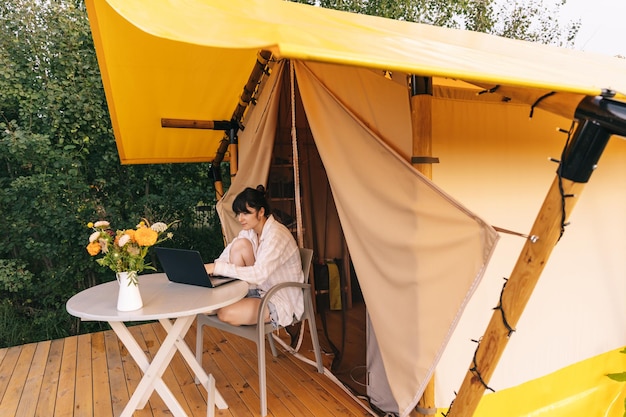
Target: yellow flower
{"points": [[145, 236], [93, 248]]}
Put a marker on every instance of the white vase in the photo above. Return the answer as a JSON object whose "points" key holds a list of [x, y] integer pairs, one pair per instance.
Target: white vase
{"points": [[129, 297]]}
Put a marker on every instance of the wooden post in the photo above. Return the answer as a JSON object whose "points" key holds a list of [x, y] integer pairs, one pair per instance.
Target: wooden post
{"points": [[578, 161], [422, 128]]}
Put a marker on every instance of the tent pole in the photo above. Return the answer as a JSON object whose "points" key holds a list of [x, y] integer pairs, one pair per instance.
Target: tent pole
{"points": [[598, 118], [422, 129], [229, 142], [260, 68]]}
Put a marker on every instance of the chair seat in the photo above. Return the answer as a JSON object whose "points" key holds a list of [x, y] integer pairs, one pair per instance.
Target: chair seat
{"points": [[248, 332]]}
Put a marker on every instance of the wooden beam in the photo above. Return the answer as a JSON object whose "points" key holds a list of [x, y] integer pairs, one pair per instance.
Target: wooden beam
{"points": [[197, 124], [579, 159], [422, 128], [260, 68]]}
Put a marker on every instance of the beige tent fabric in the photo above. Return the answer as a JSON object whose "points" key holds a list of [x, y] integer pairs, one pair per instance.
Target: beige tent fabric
{"points": [[412, 245], [255, 151]]}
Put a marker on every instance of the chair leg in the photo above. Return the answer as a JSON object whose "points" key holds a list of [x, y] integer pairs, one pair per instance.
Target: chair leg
{"points": [[262, 376], [270, 339], [314, 339]]}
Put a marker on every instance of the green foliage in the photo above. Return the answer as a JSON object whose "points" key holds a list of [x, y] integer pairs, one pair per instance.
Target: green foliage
{"points": [[14, 276], [59, 170], [535, 21], [531, 20]]}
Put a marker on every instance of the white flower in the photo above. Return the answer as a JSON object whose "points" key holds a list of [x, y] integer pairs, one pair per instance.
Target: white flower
{"points": [[104, 245], [170, 235], [159, 227], [123, 240], [94, 236], [101, 223]]}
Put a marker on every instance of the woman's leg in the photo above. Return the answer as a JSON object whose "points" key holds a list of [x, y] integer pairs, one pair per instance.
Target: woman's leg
{"points": [[241, 253], [242, 312], [245, 310]]}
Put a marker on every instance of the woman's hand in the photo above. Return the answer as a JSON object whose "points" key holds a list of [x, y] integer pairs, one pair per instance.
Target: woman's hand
{"points": [[209, 268]]}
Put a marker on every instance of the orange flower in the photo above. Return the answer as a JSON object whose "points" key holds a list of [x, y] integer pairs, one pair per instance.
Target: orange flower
{"points": [[93, 248], [145, 236]]}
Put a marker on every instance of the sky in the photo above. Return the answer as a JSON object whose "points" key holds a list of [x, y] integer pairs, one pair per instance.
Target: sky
{"points": [[603, 28]]}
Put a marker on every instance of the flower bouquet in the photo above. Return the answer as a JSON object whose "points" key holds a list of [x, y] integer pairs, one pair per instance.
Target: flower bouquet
{"points": [[125, 250]]}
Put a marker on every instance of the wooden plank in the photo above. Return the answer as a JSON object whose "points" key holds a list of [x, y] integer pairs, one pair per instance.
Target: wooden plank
{"points": [[117, 378], [235, 407], [230, 379], [282, 394], [34, 381], [17, 381], [3, 353], [64, 406], [338, 388], [281, 372], [184, 377], [83, 394], [321, 381], [102, 402], [6, 369], [50, 384]]}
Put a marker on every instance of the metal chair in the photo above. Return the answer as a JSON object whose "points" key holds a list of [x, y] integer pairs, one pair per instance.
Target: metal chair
{"points": [[257, 332]]}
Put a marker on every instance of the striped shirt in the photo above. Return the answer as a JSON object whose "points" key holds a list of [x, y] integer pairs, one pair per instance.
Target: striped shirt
{"points": [[277, 259]]}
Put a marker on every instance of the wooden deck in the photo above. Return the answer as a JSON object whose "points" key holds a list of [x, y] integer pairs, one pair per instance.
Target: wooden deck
{"points": [[93, 374]]}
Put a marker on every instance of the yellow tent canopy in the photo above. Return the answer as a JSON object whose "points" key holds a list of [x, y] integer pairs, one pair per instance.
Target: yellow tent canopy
{"points": [[190, 60]]}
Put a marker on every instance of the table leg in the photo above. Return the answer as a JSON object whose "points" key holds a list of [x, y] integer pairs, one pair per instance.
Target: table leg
{"points": [[188, 355], [153, 371], [211, 391]]}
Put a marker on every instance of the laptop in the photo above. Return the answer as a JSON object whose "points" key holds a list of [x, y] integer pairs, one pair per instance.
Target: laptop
{"points": [[186, 267]]}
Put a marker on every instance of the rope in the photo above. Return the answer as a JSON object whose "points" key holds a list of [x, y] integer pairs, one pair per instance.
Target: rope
{"points": [[296, 165], [532, 238]]}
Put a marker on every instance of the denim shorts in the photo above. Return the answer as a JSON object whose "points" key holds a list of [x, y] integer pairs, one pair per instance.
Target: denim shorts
{"points": [[254, 293]]}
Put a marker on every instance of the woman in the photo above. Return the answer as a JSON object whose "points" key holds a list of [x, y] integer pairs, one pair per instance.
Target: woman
{"points": [[263, 254]]}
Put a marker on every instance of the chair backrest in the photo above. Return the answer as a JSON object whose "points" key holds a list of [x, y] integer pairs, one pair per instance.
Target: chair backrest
{"points": [[306, 256]]}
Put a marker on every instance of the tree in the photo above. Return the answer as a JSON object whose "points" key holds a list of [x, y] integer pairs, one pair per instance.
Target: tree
{"points": [[531, 20]]}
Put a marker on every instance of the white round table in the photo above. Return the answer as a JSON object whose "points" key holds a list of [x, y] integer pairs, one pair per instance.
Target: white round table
{"points": [[163, 301]]}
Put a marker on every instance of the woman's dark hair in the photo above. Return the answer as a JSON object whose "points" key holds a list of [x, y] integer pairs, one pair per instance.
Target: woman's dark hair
{"points": [[251, 198]]}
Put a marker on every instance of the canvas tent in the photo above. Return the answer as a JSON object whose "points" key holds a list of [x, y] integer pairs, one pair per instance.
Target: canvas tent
{"points": [[413, 246]]}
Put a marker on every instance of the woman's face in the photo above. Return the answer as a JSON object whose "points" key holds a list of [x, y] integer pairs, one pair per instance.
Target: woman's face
{"points": [[253, 219]]}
